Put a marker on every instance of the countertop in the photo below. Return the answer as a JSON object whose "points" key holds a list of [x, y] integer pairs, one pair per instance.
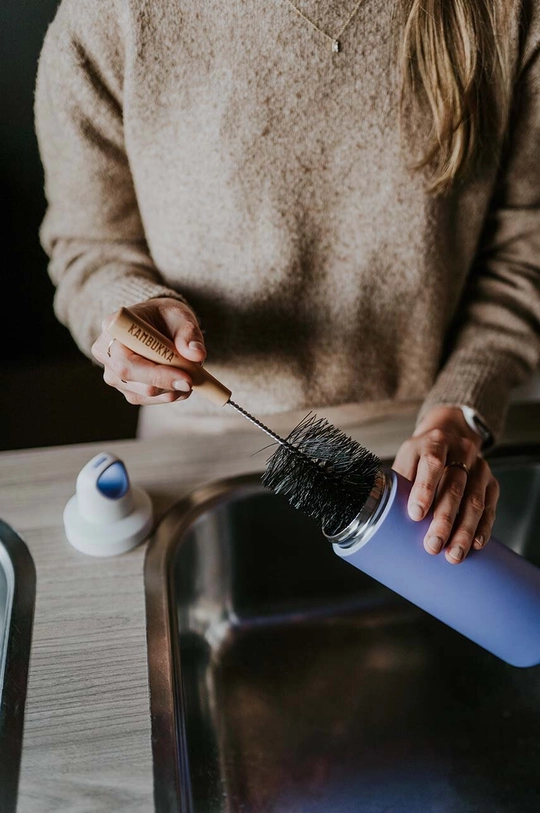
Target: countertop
{"points": [[87, 738]]}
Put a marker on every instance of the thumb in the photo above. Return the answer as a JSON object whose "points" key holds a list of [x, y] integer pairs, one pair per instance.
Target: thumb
{"points": [[189, 341]]}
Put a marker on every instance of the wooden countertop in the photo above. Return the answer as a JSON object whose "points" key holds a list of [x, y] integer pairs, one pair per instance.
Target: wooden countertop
{"points": [[87, 723]]}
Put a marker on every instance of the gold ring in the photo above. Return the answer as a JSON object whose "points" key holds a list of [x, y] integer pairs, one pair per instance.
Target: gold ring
{"points": [[109, 347], [458, 465]]}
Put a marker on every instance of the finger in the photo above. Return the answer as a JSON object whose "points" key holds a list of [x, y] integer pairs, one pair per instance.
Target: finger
{"points": [[470, 513], [406, 460], [449, 496], [141, 400], [465, 451], [428, 475], [129, 366], [99, 348], [106, 322], [452, 488], [141, 394], [189, 340], [485, 526]]}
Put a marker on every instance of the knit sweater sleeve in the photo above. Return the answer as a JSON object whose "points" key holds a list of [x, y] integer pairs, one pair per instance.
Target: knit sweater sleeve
{"points": [[92, 231], [496, 342]]}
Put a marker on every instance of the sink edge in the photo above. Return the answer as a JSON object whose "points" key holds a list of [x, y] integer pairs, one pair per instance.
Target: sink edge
{"points": [[17, 661]]}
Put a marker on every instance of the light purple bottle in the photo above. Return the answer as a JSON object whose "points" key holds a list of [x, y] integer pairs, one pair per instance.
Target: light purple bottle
{"points": [[492, 597]]}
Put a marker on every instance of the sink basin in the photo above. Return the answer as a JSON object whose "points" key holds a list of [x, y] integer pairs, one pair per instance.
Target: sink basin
{"points": [[17, 597], [277, 688]]}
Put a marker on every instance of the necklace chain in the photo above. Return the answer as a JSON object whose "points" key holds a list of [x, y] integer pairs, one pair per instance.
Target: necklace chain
{"points": [[334, 41]]}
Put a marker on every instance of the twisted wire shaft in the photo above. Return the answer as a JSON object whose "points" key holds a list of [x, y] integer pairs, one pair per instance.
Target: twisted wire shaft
{"points": [[268, 431]]}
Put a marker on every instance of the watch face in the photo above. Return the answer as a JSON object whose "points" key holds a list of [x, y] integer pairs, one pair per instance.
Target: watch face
{"points": [[476, 423], [481, 428]]}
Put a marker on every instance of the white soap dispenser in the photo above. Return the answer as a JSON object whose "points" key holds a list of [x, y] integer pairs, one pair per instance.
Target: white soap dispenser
{"points": [[107, 515]]}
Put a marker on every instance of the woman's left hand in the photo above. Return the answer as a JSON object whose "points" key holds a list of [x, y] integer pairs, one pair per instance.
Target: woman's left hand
{"points": [[443, 460]]}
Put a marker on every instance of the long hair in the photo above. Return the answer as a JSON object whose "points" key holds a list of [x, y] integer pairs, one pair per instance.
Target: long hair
{"points": [[455, 66]]}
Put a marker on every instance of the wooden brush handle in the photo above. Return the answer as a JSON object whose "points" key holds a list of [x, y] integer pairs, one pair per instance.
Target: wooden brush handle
{"points": [[148, 342]]}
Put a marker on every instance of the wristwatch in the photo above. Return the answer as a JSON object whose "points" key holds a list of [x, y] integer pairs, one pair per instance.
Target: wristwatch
{"points": [[475, 422]]}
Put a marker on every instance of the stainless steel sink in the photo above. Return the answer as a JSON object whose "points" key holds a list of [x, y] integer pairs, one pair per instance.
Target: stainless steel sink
{"points": [[17, 597], [277, 688]]}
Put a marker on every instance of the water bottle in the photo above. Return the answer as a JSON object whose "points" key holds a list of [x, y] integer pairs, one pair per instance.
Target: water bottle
{"points": [[492, 597]]}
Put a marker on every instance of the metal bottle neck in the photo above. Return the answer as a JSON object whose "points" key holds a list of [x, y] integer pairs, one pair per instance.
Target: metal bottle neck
{"points": [[367, 517]]}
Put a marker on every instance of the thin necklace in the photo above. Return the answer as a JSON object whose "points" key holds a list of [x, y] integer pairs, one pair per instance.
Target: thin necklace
{"points": [[334, 41]]}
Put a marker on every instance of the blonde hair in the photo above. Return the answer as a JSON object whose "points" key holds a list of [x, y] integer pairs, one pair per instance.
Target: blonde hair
{"points": [[455, 66]]}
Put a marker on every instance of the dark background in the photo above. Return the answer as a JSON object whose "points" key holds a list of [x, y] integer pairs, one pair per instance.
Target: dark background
{"points": [[50, 393]]}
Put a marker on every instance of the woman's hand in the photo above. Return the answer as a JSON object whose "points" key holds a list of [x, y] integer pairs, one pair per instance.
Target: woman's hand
{"points": [[142, 381], [463, 503]]}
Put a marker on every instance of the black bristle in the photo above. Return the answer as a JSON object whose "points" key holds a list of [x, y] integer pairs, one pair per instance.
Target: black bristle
{"points": [[332, 483]]}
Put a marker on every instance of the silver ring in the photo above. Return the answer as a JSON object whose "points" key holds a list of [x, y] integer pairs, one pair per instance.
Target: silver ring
{"points": [[109, 347], [458, 465]]}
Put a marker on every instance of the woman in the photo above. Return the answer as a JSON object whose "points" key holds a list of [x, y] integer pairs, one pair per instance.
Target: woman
{"points": [[344, 195]]}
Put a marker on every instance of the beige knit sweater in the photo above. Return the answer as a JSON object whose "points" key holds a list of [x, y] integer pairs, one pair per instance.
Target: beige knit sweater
{"points": [[220, 151]]}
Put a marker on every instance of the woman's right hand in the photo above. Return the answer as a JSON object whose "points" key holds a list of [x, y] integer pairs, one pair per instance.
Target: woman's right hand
{"points": [[142, 381]]}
